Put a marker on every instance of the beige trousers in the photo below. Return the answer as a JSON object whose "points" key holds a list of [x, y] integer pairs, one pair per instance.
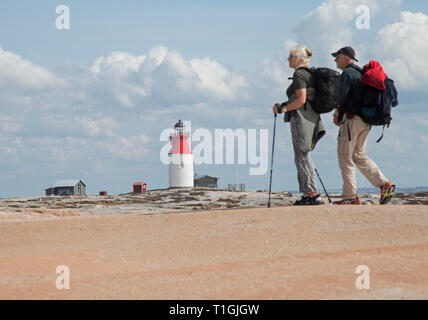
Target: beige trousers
{"points": [[351, 148]]}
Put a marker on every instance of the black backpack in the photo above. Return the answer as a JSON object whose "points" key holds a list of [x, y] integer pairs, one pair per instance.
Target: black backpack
{"points": [[376, 104], [327, 89]]}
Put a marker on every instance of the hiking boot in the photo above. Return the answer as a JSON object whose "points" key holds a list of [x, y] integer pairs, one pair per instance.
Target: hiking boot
{"points": [[302, 202], [348, 201], [315, 200], [386, 192]]}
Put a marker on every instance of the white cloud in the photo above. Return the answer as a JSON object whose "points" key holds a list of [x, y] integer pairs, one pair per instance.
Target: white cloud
{"points": [[10, 123], [75, 113], [9, 153], [103, 126], [99, 127], [329, 27], [404, 45], [74, 150], [128, 148], [24, 85], [164, 75], [49, 149], [217, 79], [116, 74], [102, 166], [117, 64], [17, 73], [162, 78], [332, 25], [276, 72]]}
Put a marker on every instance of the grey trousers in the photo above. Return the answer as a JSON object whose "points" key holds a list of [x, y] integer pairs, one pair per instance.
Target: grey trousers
{"points": [[303, 161]]}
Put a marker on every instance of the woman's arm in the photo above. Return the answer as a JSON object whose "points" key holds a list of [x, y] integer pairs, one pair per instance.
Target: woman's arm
{"points": [[298, 103]]}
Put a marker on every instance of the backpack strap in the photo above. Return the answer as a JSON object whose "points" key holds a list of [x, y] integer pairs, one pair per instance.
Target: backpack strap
{"points": [[358, 68], [349, 133], [381, 137]]}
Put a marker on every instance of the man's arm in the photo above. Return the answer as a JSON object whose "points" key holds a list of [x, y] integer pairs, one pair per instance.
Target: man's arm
{"points": [[345, 87]]}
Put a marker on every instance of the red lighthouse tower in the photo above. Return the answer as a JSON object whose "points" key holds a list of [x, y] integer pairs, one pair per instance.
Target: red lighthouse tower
{"points": [[181, 158], [179, 140]]}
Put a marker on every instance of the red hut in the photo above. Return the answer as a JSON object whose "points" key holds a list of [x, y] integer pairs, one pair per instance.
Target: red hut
{"points": [[139, 187]]}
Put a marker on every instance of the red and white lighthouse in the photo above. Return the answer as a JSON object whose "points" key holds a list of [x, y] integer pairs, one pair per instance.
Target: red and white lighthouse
{"points": [[180, 158]]}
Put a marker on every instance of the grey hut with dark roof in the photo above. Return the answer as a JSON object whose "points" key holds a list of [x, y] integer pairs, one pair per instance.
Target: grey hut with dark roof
{"points": [[73, 187]]}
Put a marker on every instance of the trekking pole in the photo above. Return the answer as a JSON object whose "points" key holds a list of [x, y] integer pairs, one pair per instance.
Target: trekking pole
{"points": [[271, 160], [329, 200]]}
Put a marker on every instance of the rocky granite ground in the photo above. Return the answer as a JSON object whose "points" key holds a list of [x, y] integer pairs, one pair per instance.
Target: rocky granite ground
{"points": [[166, 201]]}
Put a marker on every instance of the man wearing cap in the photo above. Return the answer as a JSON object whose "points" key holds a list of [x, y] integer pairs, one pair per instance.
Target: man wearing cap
{"points": [[350, 93], [353, 133]]}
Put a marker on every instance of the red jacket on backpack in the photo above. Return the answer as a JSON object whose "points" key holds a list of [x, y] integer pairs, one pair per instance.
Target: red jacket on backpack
{"points": [[374, 76]]}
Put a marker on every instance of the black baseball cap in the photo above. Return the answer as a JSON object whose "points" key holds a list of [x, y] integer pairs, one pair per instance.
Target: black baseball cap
{"points": [[347, 51]]}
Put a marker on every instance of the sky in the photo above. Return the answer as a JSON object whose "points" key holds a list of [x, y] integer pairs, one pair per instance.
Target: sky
{"points": [[91, 101]]}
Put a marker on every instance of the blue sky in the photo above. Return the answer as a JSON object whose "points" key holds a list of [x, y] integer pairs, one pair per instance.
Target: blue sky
{"points": [[224, 30], [91, 102]]}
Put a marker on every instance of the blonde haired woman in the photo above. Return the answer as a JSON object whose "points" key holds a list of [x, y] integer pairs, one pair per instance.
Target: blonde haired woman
{"points": [[305, 124]]}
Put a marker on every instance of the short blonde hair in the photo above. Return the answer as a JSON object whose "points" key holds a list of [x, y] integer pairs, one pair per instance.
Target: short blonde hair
{"points": [[302, 54]]}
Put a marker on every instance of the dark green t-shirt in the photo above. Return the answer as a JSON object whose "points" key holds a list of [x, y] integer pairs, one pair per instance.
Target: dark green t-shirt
{"points": [[302, 79]]}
